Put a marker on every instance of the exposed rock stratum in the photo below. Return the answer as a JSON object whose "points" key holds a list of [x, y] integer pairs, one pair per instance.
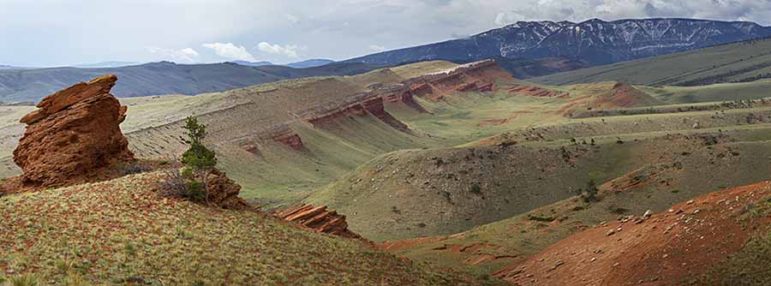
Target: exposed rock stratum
{"points": [[318, 219]]}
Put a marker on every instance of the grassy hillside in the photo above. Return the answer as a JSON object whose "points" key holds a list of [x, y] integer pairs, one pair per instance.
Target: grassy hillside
{"points": [[745, 61], [672, 174], [123, 232], [442, 191], [710, 93]]}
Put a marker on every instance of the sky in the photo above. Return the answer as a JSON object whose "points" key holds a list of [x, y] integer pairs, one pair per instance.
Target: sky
{"points": [[71, 32]]}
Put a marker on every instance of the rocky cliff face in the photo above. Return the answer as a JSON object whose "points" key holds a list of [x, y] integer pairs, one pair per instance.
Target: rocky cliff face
{"points": [[539, 45], [73, 134]]}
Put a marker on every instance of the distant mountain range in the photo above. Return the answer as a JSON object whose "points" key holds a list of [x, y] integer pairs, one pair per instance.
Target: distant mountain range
{"points": [[17, 85], [526, 49], [298, 65], [252, 64], [537, 48], [310, 63], [108, 64]]}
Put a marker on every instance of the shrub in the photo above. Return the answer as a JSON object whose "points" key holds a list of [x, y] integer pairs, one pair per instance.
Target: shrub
{"points": [[589, 193], [183, 184], [476, 189]]}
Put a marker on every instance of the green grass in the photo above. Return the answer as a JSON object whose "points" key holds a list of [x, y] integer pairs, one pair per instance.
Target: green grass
{"points": [[120, 231], [516, 238]]}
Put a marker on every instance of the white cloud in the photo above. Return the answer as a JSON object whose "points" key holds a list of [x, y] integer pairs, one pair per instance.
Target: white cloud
{"points": [[230, 51], [376, 48], [186, 55], [292, 18], [289, 51], [336, 29]]}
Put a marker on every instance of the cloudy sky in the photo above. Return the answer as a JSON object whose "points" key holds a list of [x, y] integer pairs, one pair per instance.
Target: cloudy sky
{"points": [[67, 32]]}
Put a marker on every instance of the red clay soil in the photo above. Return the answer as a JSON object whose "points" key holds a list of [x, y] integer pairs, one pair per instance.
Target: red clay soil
{"points": [[624, 95], [665, 249], [318, 219], [74, 133]]}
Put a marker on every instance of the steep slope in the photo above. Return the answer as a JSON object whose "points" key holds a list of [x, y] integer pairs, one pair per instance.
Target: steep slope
{"points": [[667, 248], [159, 78], [739, 62], [124, 232], [560, 46]]}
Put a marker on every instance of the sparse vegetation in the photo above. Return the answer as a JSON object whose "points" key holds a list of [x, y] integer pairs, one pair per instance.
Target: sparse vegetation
{"points": [[476, 189], [588, 193], [120, 231]]}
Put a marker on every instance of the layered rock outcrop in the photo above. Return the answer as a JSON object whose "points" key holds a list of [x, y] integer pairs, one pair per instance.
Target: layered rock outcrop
{"points": [[318, 219], [73, 133], [536, 91], [223, 192]]}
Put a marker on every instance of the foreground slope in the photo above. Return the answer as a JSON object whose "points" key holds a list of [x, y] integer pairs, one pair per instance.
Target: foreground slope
{"points": [[675, 247], [738, 62], [123, 231]]}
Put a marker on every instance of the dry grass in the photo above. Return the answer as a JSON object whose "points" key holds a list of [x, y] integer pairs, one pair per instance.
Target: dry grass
{"points": [[122, 232]]}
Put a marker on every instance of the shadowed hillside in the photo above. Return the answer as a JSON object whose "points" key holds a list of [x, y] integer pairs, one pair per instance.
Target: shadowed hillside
{"points": [[29, 85], [739, 62]]}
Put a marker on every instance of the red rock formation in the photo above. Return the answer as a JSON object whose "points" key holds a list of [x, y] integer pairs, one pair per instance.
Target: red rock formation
{"points": [[536, 91], [372, 105], [291, 140], [318, 219], [405, 97], [480, 86], [223, 192], [471, 86], [376, 108], [478, 76], [486, 87], [73, 134], [421, 89]]}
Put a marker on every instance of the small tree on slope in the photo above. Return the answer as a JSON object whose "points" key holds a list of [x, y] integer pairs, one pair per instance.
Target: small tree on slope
{"points": [[198, 160]]}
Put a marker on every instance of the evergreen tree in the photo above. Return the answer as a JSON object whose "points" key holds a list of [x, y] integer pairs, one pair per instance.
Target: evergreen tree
{"points": [[198, 160]]}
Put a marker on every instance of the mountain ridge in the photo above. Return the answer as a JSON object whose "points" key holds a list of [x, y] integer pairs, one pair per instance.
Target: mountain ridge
{"points": [[590, 43]]}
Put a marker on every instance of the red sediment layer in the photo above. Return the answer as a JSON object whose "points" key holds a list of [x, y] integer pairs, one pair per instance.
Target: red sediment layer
{"points": [[318, 219], [536, 91]]}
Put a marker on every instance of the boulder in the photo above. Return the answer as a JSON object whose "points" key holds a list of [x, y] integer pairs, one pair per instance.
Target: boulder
{"points": [[223, 192], [72, 135]]}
